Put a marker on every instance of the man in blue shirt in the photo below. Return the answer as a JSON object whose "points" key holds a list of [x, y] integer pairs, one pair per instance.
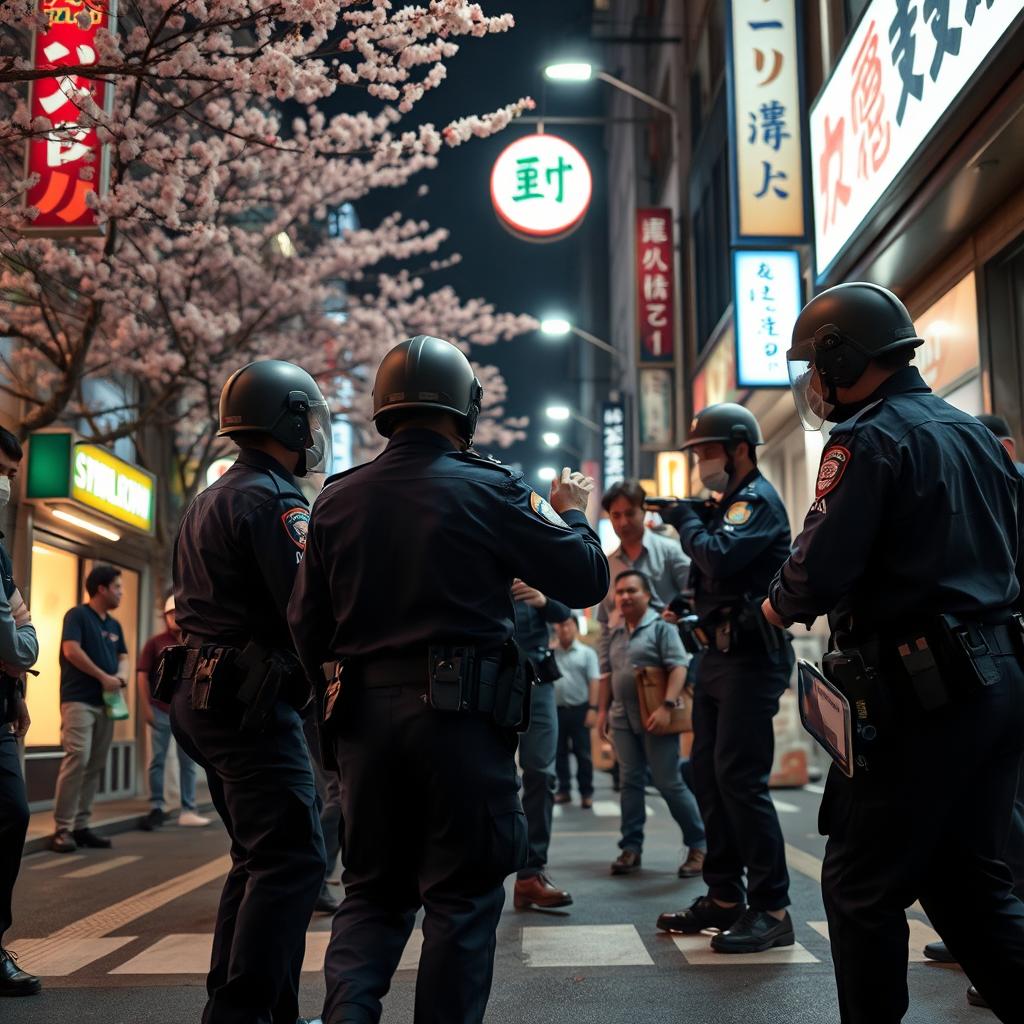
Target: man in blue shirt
{"points": [[93, 662]]}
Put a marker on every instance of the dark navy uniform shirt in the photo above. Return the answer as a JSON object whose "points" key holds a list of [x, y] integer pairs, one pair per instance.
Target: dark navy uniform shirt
{"points": [[421, 546], [736, 545], [917, 512], [237, 554]]}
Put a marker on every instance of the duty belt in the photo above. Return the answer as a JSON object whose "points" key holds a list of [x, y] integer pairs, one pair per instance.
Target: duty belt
{"points": [[413, 671]]}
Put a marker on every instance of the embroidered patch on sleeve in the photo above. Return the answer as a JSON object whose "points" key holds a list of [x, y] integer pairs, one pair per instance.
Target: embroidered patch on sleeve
{"points": [[738, 513], [296, 524], [545, 511], [833, 465]]}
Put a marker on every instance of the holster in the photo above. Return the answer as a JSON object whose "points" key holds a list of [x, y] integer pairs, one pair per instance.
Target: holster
{"points": [[267, 676], [170, 668], [516, 677], [858, 678], [214, 680]]}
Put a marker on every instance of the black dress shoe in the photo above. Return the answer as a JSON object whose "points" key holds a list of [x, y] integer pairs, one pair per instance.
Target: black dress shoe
{"points": [[153, 820], [975, 998], [939, 952], [61, 842], [702, 913], [13, 980], [755, 932], [86, 837]]}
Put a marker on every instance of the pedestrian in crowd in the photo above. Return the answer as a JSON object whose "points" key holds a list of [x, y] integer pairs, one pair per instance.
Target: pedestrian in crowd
{"points": [[643, 639], [93, 661], [158, 720], [736, 545], [19, 648], [538, 746], [576, 695], [236, 709], [422, 723], [999, 427], [913, 547]]}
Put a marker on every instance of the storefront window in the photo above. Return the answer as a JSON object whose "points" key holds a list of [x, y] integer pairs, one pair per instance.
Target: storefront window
{"points": [[949, 359]]}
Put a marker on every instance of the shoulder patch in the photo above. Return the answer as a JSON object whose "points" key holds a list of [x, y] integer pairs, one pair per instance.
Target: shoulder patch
{"points": [[545, 511], [738, 513], [296, 524], [833, 465]]}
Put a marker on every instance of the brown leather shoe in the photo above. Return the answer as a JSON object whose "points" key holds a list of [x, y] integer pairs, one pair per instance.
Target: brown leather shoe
{"points": [[693, 866], [586, 802], [626, 863], [563, 798], [537, 891]]}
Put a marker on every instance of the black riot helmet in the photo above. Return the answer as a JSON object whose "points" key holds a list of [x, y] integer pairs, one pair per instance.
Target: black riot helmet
{"points": [[838, 333], [426, 374], [726, 422], [283, 401]]}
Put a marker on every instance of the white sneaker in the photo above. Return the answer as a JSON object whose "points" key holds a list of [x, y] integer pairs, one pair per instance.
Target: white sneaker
{"points": [[189, 819]]}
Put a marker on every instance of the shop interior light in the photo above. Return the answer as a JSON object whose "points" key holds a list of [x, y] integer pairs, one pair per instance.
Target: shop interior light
{"points": [[558, 412], [85, 524], [555, 327], [547, 474], [551, 439], [569, 71]]}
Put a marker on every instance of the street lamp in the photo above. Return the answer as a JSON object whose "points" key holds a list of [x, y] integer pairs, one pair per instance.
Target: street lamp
{"points": [[558, 327], [551, 439], [580, 71], [558, 412], [570, 71]]}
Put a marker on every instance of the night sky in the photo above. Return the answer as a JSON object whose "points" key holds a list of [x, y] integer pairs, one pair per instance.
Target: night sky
{"points": [[517, 276]]}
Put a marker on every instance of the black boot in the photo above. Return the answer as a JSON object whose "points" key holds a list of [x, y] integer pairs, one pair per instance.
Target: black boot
{"points": [[702, 913], [13, 980], [755, 932]]}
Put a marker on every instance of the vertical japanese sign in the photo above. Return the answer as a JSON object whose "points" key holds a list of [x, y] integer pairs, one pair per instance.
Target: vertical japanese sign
{"points": [[767, 303], [903, 70], [656, 400], [766, 151], [655, 272], [69, 160], [613, 438]]}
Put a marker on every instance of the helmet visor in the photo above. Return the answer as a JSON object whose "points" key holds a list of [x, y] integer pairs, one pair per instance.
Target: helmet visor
{"points": [[320, 451], [811, 405]]}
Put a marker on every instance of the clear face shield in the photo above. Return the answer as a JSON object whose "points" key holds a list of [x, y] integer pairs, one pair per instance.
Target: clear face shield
{"points": [[811, 404], [320, 452]]}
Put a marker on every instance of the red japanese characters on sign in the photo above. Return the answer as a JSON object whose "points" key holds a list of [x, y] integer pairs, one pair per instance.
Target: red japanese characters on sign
{"points": [[69, 159], [655, 264]]}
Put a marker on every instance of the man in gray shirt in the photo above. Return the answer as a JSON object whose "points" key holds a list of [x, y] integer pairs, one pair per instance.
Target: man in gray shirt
{"points": [[576, 697]]}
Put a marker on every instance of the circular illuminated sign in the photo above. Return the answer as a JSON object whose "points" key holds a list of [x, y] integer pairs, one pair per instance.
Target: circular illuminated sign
{"points": [[541, 187]]}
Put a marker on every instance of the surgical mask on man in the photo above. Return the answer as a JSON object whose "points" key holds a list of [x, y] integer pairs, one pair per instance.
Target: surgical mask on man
{"points": [[5, 490], [713, 474]]}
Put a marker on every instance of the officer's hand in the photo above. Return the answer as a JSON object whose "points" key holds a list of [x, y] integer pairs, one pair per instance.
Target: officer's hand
{"points": [[524, 592], [19, 610], [772, 615], [571, 491], [22, 719]]}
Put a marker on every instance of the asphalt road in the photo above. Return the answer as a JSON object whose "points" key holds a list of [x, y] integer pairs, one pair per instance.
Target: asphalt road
{"points": [[122, 937]]}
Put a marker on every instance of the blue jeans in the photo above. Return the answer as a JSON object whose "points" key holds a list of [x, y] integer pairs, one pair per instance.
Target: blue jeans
{"points": [[635, 753], [160, 734]]}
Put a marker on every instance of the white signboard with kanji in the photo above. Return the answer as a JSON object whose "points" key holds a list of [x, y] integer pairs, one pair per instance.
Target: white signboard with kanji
{"points": [[541, 187], [904, 67], [767, 302]]}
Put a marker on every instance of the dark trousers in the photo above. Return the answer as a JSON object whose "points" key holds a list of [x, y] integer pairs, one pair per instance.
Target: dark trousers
{"points": [[733, 748], [328, 789], [262, 787], [574, 737], [1014, 852], [13, 822], [930, 823], [431, 818], [538, 747]]}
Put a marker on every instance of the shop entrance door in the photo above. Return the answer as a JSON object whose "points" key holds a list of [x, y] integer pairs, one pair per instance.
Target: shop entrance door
{"points": [[1003, 330]]}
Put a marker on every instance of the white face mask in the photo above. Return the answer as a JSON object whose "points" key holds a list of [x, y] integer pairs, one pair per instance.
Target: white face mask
{"points": [[713, 474], [5, 490]]}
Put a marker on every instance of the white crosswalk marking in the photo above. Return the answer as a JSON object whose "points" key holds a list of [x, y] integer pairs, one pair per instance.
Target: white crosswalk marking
{"points": [[411, 957], [59, 959], [814, 788], [784, 807], [602, 809], [61, 861], [609, 945], [101, 867], [698, 952], [920, 935], [190, 954]]}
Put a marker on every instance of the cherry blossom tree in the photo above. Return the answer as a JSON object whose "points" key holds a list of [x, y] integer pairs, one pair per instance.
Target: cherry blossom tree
{"points": [[236, 133]]}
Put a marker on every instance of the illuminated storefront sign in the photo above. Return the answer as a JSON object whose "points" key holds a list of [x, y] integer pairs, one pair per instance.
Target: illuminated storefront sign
{"points": [[766, 120], [61, 471], [903, 70], [655, 272], [716, 380], [767, 303], [613, 438], [656, 396], [951, 349], [69, 160], [673, 471], [541, 187]]}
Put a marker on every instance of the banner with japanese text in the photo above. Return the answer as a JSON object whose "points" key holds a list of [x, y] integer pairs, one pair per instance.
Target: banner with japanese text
{"points": [[655, 271], [903, 69], [69, 159], [766, 123], [766, 304], [613, 443]]}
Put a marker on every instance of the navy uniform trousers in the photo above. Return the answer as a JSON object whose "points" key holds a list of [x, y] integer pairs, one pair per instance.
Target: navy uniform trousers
{"points": [[929, 824], [736, 699], [13, 822], [440, 826], [262, 786]]}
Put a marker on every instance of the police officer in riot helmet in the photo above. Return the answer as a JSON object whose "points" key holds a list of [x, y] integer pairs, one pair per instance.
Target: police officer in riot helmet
{"points": [[406, 583], [912, 546], [736, 545], [239, 688]]}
